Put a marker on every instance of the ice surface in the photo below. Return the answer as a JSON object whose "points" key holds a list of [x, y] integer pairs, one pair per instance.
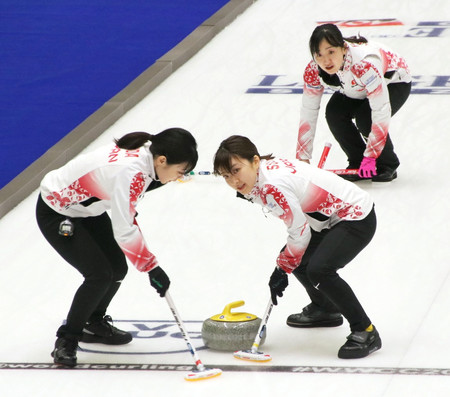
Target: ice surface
{"points": [[217, 249]]}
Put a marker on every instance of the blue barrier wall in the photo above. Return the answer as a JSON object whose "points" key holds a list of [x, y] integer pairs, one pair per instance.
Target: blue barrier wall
{"points": [[62, 60]]}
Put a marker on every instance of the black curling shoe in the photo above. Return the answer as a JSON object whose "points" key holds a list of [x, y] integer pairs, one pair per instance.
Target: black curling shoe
{"points": [[385, 175], [65, 352], [351, 177], [312, 317], [104, 332], [360, 344]]}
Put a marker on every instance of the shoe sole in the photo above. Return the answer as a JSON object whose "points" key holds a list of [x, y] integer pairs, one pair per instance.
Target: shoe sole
{"points": [[317, 324], [351, 178], [64, 363], [394, 176], [376, 345]]}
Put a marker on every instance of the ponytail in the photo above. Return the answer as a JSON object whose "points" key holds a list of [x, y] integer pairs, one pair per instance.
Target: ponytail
{"points": [[133, 140], [356, 39], [175, 144]]}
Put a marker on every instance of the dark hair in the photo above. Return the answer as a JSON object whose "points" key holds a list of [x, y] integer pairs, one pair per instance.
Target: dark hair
{"points": [[333, 35], [235, 146], [176, 144]]}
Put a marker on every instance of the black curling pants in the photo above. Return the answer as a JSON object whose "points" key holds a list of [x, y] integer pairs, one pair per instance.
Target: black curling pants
{"points": [[327, 252], [340, 112], [94, 252]]}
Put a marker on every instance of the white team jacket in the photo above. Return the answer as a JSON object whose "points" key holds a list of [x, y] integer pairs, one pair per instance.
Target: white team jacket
{"points": [[367, 70], [119, 178], [305, 197]]}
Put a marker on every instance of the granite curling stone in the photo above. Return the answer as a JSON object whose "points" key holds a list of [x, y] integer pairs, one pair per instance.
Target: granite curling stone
{"points": [[229, 331]]}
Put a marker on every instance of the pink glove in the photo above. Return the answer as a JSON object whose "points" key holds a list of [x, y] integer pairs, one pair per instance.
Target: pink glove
{"points": [[368, 168]]}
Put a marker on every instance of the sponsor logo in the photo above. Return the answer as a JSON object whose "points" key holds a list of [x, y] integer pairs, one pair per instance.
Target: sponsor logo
{"points": [[240, 368], [421, 84], [425, 29], [102, 367], [282, 84], [357, 23], [420, 29]]}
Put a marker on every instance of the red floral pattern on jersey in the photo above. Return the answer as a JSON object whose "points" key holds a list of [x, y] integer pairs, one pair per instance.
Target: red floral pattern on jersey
{"points": [[136, 250], [317, 199], [392, 61], [136, 189], [280, 200], [370, 78], [255, 189], [72, 194], [359, 69], [311, 75], [348, 60], [342, 210], [291, 257]]}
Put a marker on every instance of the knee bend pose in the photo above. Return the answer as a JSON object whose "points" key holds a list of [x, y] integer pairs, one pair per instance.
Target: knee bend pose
{"points": [[329, 221], [72, 215], [370, 84]]}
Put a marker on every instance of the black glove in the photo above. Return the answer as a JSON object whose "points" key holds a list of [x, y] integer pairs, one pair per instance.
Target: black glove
{"points": [[278, 283], [159, 280]]}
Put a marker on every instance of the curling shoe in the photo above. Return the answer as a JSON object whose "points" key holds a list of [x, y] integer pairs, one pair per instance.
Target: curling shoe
{"points": [[312, 317], [104, 332], [65, 352], [352, 177], [360, 344], [385, 175]]}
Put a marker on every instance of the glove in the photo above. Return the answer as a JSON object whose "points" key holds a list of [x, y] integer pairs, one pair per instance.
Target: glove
{"points": [[368, 168], [277, 283], [287, 263], [159, 280]]}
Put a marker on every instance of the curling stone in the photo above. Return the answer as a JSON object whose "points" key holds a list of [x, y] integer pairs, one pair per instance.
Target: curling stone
{"points": [[229, 331]]}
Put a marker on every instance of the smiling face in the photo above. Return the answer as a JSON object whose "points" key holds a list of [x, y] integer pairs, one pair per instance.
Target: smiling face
{"points": [[330, 58], [168, 172], [242, 175]]}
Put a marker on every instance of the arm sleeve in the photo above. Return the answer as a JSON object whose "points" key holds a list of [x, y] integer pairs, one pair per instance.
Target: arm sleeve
{"points": [[286, 206], [126, 230], [312, 95], [375, 86]]}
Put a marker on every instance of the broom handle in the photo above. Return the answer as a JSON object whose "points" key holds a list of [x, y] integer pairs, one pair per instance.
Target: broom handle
{"points": [[186, 338], [323, 157], [262, 327]]}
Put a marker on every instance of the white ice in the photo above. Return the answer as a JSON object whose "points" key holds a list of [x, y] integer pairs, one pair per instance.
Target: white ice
{"points": [[218, 249]]}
